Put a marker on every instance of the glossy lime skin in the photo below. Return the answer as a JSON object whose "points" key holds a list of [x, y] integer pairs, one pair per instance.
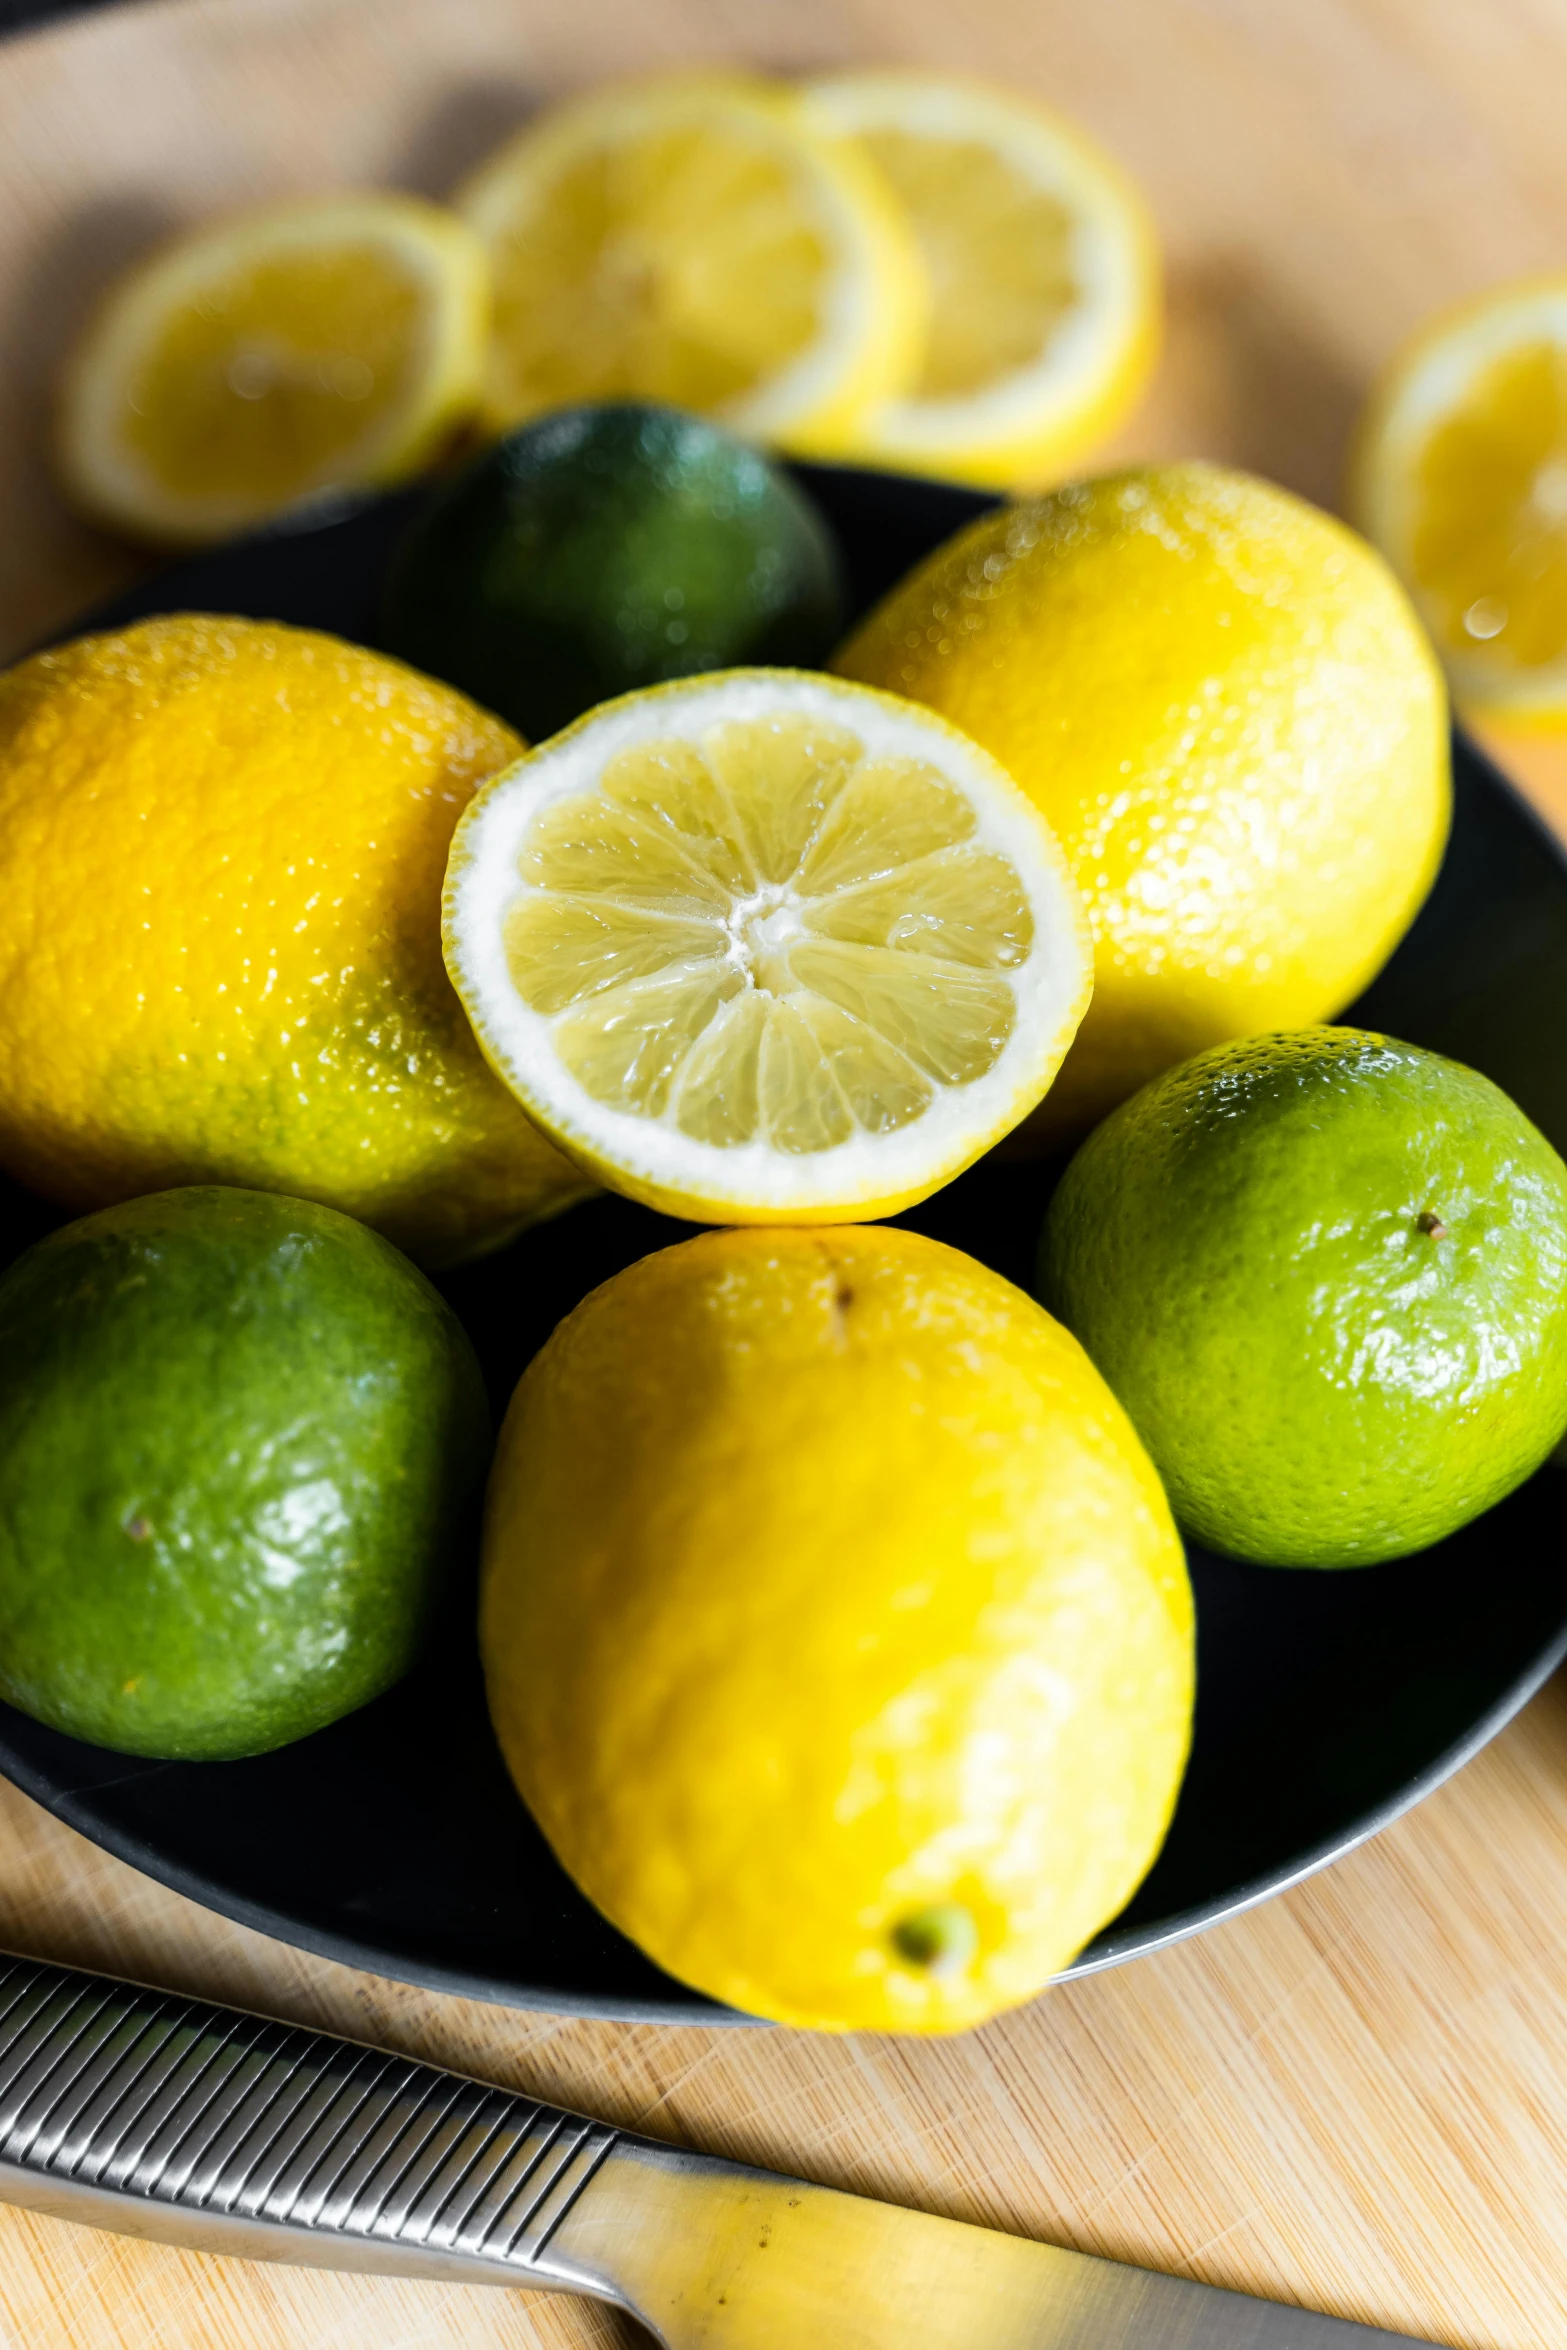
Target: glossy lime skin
{"points": [[241, 1446], [604, 548], [1326, 1274]]}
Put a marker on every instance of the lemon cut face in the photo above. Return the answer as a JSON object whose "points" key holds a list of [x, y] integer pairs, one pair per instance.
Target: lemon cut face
{"points": [[766, 948], [250, 367], [692, 239], [1043, 270], [1461, 480]]}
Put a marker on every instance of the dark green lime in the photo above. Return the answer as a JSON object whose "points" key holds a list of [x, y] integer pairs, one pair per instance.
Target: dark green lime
{"points": [[241, 1445], [1326, 1274], [605, 548]]}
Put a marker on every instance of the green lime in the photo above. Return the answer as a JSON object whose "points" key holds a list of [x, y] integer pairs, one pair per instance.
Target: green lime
{"points": [[1326, 1274], [605, 548], [241, 1442]]}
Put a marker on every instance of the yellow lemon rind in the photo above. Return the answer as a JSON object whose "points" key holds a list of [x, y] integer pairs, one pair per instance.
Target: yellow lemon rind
{"points": [[1182, 664], [798, 1434], [255, 818]]}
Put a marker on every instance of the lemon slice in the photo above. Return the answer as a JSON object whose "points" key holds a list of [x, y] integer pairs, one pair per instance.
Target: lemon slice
{"points": [[249, 368], [689, 239], [1460, 478], [763, 947], [1043, 268]]}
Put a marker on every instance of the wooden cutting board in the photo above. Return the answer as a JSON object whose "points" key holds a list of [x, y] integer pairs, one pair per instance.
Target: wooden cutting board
{"points": [[1355, 2097]]}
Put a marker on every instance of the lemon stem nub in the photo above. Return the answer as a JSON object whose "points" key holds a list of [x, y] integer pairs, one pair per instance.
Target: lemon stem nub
{"points": [[1430, 1223], [940, 1940]]}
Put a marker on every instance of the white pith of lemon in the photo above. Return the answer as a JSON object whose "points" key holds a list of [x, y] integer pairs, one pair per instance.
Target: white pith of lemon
{"points": [[1460, 478], [1043, 266], [763, 947], [247, 368], [691, 239]]}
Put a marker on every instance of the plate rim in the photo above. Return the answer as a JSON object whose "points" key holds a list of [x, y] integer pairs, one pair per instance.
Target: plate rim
{"points": [[692, 2007], [686, 2006]]}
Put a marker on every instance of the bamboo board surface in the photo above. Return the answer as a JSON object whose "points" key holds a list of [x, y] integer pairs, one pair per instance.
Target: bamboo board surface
{"points": [[1355, 2097]]}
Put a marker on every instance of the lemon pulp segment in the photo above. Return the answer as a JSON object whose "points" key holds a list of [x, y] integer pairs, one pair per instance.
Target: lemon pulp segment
{"points": [[272, 357], [676, 269], [1490, 539], [829, 974], [994, 317], [751, 934], [270, 377], [692, 241], [1042, 267], [1461, 479]]}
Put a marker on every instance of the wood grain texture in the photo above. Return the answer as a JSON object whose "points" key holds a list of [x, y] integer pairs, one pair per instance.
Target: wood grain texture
{"points": [[1357, 2096]]}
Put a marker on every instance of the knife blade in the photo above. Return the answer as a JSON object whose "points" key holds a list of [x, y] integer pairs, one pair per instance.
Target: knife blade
{"points": [[154, 2115]]}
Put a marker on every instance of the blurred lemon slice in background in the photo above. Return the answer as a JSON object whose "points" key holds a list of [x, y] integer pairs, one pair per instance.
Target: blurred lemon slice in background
{"points": [[689, 239], [1461, 479], [1043, 267], [249, 367], [763, 947]]}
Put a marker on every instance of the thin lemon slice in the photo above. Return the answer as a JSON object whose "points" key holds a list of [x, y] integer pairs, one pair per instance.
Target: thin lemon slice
{"points": [[689, 239], [1460, 478], [1043, 268], [251, 367], [766, 948]]}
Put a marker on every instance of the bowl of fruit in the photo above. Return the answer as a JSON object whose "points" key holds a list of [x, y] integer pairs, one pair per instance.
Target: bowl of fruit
{"points": [[785, 1243]]}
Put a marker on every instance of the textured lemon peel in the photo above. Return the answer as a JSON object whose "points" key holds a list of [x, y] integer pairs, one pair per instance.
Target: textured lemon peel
{"points": [[860, 1463], [1225, 706], [754, 936], [217, 972]]}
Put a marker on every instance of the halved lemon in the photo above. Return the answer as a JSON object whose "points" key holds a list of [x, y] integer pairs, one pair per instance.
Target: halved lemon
{"points": [[689, 239], [763, 947], [1044, 275], [1460, 477], [283, 353]]}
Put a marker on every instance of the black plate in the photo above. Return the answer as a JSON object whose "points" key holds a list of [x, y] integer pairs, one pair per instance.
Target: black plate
{"points": [[1326, 1703]]}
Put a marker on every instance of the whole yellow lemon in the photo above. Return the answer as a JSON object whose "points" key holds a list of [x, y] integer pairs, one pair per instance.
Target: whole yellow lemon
{"points": [[835, 1626], [221, 853], [1223, 702]]}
